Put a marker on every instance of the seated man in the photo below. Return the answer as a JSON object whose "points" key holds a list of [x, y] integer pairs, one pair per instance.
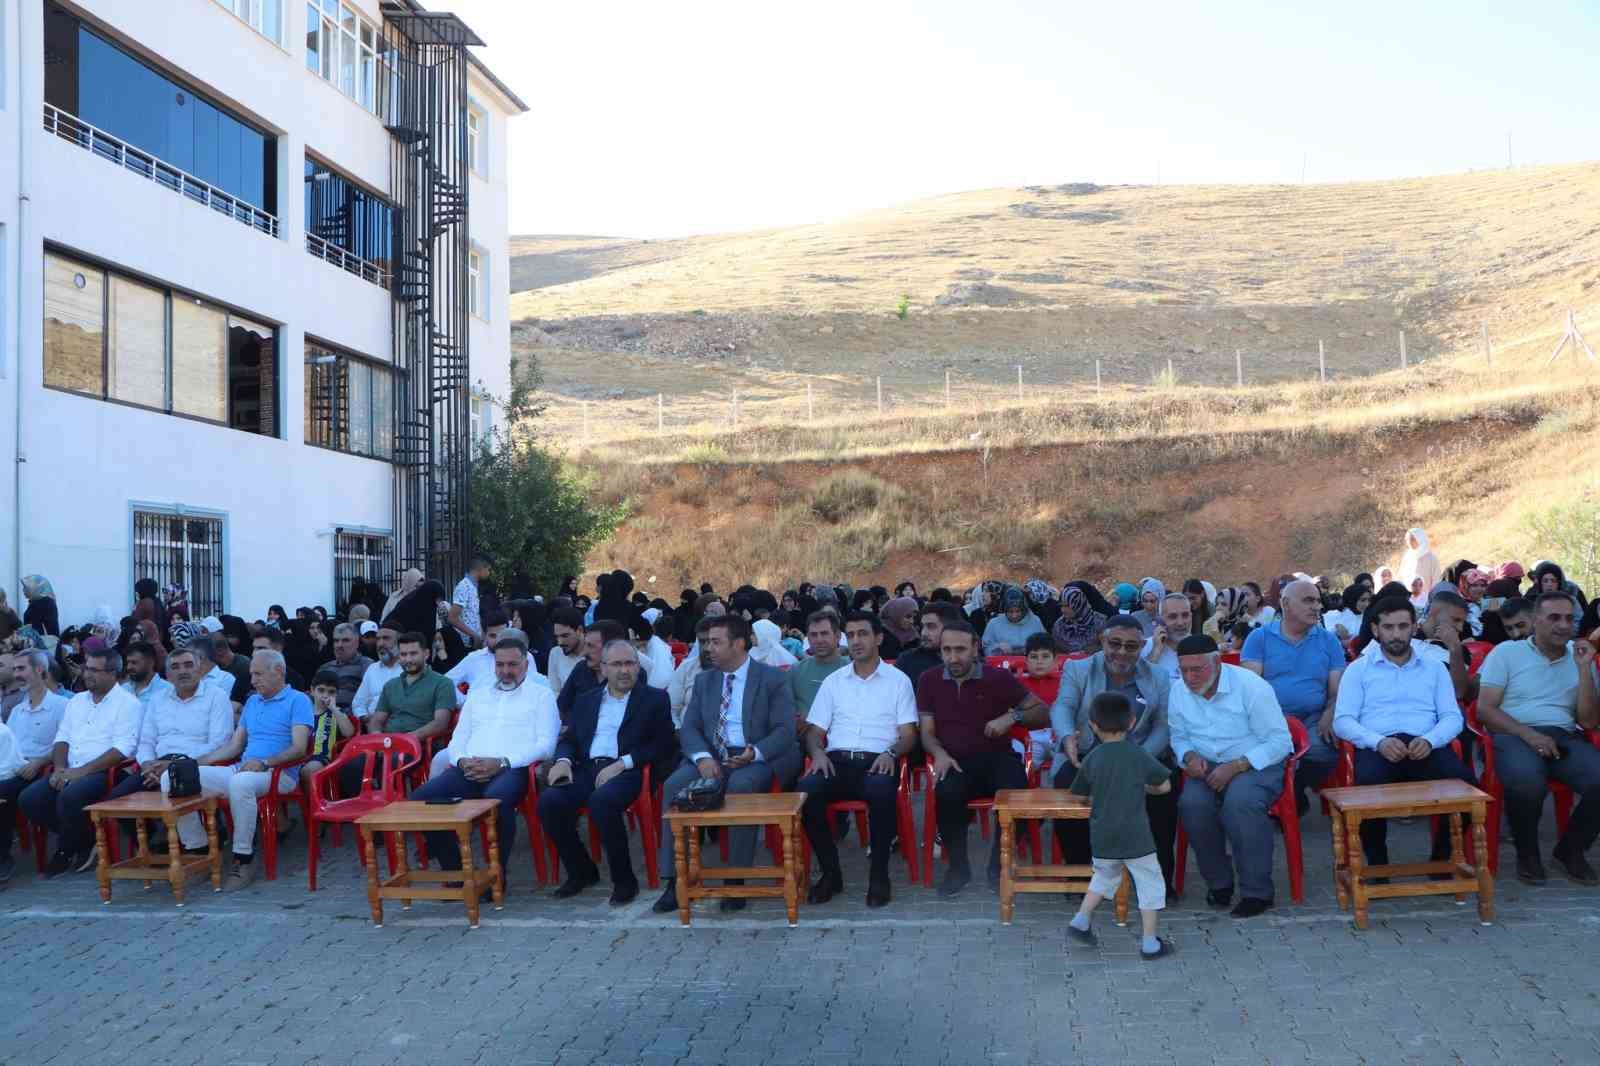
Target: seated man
{"points": [[348, 663], [1302, 662], [739, 726], [139, 667], [932, 617], [504, 728], [1438, 636], [806, 676], [274, 730], [1399, 710], [613, 733], [99, 729], [1230, 737], [477, 667], [189, 718], [861, 720], [682, 684], [1175, 623], [419, 701], [1117, 667], [34, 722], [1534, 695], [380, 673], [967, 714], [567, 626], [586, 675]]}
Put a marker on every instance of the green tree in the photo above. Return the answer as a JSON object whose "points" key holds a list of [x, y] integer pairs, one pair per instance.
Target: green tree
{"points": [[1569, 533]]}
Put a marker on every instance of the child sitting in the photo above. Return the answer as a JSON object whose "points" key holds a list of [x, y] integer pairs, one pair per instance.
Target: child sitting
{"points": [[1117, 775], [1043, 679], [331, 724]]}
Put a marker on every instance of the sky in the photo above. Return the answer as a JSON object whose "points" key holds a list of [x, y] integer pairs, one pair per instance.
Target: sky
{"points": [[661, 120]]}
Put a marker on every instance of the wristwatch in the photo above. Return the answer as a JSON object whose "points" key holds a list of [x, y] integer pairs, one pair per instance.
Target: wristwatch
{"points": [[1016, 715]]}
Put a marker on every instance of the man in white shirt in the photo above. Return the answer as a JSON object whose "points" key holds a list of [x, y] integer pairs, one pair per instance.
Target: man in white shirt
{"points": [[187, 719], [99, 729], [503, 729], [379, 674], [861, 721], [612, 734], [477, 670], [567, 624], [1161, 647], [33, 725], [210, 673], [682, 683], [139, 666]]}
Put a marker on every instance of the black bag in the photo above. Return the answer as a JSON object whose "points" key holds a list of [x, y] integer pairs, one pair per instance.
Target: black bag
{"points": [[183, 777], [705, 794]]}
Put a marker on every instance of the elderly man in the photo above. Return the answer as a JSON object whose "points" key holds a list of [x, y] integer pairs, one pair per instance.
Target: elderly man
{"points": [[738, 726], [1175, 623], [566, 623], [1302, 662], [139, 666], [210, 673], [504, 728], [348, 664], [187, 719], [1230, 737], [1535, 695], [274, 730], [966, 715], [860, 721], [1119, 666], [34, 722], [99, 729], [1399, 710], [613, 733], [379, 674]]}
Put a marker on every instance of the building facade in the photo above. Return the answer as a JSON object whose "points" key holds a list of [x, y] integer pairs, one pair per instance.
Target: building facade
{"points": [[253, 257]]}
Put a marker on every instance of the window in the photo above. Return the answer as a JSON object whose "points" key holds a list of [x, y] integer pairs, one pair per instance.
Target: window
{"points": [[349, 52], [476, 146], [177, 548], [350, 402], [345, 215], [263, 16], [364, 557], [481, 418], [118, 338], [477, 284]]}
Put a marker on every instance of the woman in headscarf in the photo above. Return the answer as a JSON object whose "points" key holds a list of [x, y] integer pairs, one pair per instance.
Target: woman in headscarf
{"points": [[1042, 602], [1199, 604], [1418, 561], [1126, 597], [982, 602], [409, 580], [419, 611], [1511, 572], [1151, 593], [148, 604], [1548, 577], [182, 633], [768, 644], [1345, 623], [176, 598], [152, 636], [1007, 632], [1473, 584], [899, 618], [41, 611], [1077, 630], [1221, 621]]}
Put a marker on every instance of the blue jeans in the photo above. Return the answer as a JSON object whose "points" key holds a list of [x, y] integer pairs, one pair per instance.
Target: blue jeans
{"points": [[1526, 779], [507, 786], [1236, 817], [63, 810]]}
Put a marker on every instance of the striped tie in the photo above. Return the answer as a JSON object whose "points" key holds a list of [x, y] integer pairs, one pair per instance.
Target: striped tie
{"points": [[722, 717]]}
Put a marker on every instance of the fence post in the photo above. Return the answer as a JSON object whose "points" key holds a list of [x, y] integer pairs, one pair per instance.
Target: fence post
{"points": [[1488, 355], [1172, 378], [947, 390], [1238, 367], [811, 411], [735, 408], [660, 413], [1322, 363], [880, 394], [1402, 349], [1019, 382], [1097, 375]]}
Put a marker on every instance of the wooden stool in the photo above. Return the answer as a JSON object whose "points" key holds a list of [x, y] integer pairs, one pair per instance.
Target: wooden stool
{"points": [[781, 809], [412, 816], [175, 867], [1012, 805], [1450, 799]]}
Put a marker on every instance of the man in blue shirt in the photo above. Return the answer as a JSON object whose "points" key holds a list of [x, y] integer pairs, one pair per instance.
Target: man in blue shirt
{"points": [[274, 730], [1399, 710], [1302, 662]]}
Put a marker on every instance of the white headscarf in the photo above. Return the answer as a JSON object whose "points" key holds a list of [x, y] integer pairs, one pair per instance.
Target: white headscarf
{"points": [[768, 647], [1419, 562]]}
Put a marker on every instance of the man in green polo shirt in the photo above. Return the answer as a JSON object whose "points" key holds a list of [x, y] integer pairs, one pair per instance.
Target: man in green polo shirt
{"points": [[419, 701], [805, 677]]}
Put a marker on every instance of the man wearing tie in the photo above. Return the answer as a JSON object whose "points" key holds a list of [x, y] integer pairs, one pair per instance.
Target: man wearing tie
{"points": [[738, 726], [613, 733]]}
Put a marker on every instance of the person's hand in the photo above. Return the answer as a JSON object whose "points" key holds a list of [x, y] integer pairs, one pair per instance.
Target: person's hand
{"points": [[1419, 748], [1070, 747], [1158, 642], [61, 779], [1325, 726], [1392, 748], [1583, 653], [560, 773], [883, 764], [708, 768], [744, 758], [31, 768], [943, 764], [1448, 636], [611, 770], [1341, 632], [1542, 745], [1221, 774], [254, 766], [152, 772], [1195, 766], [821, 764], [996, 728]]}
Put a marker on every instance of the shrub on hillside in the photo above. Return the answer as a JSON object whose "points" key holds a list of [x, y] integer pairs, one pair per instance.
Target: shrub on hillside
{"points": [[849, 493]]}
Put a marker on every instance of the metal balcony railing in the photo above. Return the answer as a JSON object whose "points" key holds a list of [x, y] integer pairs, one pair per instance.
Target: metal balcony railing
{"points": [[353, 264], [90, 138]]}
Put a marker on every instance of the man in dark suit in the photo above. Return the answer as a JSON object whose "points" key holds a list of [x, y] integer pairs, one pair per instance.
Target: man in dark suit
{"points": [[737, 725], [612, 734]]}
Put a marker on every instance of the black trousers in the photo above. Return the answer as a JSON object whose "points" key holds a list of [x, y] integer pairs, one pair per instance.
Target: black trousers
{"points": [[1073, 833], [980, 777], [558, 813], [1374, 769], [851, 781], [10, 789]]}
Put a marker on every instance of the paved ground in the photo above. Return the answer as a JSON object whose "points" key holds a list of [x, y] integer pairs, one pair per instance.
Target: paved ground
{"points": [[274, 975]]}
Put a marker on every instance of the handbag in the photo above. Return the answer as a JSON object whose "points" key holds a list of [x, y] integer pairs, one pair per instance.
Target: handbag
{"points": [[183, 777], [704, 794]]}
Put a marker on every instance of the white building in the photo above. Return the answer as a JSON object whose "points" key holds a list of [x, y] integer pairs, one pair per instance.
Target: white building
{"points": [[242, 310]]}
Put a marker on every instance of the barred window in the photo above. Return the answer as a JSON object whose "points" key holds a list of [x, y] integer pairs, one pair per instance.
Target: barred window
{"points": [[364, 557], [173, 548]]}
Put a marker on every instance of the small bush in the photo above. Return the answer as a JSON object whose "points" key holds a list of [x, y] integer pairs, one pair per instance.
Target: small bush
{"points": [[705, 454], [849, 493], [1569, 533], [903, 308]]}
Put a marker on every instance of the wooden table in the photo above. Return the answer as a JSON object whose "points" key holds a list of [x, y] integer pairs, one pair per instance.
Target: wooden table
{"points": [[743, 809], [174, 867], [413, 816], [1450, 799], [1014, 805]]}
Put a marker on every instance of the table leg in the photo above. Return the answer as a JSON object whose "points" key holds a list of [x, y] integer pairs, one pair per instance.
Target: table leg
{"points": [[789, 830], [373, 899], [1008, 860], [469, 875], [1357, 862], [215, 846], [1339, 864], [402, 869], [1480, 842], [1124, 889], [1458, 852], [102, 868], [141, 832], [497, 887], [174, 855], [680, 855]]}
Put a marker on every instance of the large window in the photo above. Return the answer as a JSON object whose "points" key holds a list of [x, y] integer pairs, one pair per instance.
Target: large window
{"points": [[88, 77], [477, 283], [349, 218], [263, 16], [119, 338], [364, 557], [350, 402], [175, 548], [350, 53]]}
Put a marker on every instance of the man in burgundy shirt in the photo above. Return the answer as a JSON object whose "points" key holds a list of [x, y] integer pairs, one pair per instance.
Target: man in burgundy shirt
{"points": [[967, 714]]}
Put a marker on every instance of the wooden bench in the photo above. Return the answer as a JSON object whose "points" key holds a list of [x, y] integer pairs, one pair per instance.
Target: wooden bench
{"points": [[781, 809]]}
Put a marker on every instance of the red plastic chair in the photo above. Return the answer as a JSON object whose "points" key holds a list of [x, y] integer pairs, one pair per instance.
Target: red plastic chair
{"points": [[641, 813], [391, 756], [1231, 658], [39, 834], [1479, 650], [980, 807], [680, 651], [267, 808], [905, 825], [1346, 774], [1283, 809], [1489, 781]]}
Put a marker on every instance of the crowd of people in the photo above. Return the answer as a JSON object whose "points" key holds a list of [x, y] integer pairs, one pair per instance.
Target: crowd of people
{"points": [[1165, 707]]}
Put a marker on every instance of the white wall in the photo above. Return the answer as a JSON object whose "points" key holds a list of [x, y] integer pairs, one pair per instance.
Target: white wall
{"points": [[489, 226], [10, 273]]}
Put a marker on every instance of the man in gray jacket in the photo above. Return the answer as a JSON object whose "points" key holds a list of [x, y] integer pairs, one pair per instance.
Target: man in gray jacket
{"points": [[1117, 667], [739, 725]]}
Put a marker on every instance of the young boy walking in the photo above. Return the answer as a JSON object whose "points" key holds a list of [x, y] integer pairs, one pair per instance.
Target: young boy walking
{"points": [[1116, 776]]}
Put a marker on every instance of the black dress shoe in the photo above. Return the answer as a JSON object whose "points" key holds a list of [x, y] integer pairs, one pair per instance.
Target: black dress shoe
{"points": [[1248, 907], [733, 903], [60, 863], [1219, 899], [878, 892], [621, 895], [1530, 871], [954, 881], [1574, 865], [576, 883], [826, 886], [668, 903]]}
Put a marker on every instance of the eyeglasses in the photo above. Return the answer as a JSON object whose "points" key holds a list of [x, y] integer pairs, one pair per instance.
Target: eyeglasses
{"points": [[1126, 647]]}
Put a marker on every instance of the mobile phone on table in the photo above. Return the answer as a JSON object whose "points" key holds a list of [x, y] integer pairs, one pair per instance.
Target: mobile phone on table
{"points": [[442, 801]]}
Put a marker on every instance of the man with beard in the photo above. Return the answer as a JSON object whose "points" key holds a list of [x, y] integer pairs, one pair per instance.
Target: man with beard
{"points": [[567, 625]]}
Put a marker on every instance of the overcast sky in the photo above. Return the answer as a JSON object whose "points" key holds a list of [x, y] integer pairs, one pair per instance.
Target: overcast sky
{"points": [[654, 120]]}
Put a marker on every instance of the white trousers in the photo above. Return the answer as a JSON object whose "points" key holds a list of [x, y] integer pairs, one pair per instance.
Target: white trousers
{"points": [[1147, 880], [243, 789]]}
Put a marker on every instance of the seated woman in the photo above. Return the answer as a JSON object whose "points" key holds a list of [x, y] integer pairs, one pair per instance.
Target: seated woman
{"points": [[1007, 633]]}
